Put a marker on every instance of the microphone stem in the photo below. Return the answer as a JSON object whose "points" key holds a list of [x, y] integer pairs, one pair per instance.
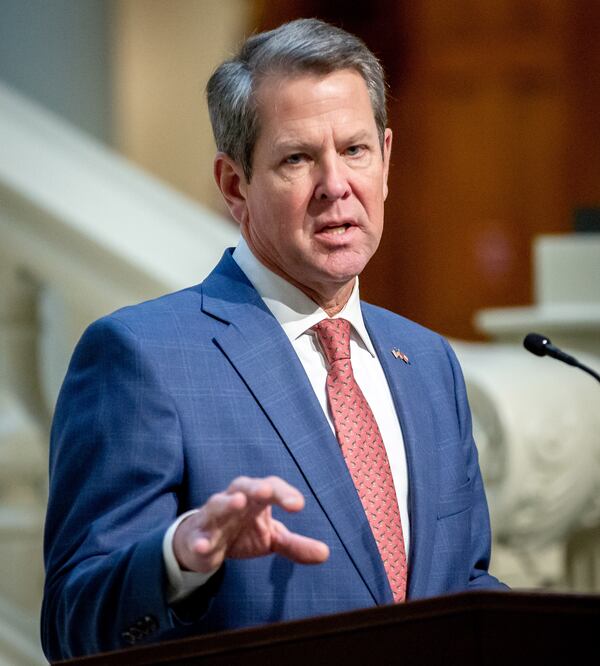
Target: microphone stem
{"points": [[595, 375]]}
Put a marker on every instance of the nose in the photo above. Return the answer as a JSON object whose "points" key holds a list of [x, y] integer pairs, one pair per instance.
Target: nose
{"points": [[332, 181]]}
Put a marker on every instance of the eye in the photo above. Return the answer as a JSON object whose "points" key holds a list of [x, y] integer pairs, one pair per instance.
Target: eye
{"points": [[355, 151], [295, 158]]}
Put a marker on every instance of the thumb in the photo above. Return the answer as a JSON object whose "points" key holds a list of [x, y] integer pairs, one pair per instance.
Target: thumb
{"points": [[296, 547]]}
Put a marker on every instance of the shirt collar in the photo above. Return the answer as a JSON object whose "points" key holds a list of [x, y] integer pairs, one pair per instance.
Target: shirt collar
{"points": [[292, 308]]}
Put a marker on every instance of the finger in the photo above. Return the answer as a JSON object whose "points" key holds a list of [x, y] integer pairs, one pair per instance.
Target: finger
{"points": [[216, 520], [296, 547], [205, 556], [200, 541], [220, 508], [269, 490]]}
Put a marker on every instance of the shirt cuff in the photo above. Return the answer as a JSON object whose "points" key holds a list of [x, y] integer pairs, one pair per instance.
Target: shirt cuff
{"points": [[180, 584]]}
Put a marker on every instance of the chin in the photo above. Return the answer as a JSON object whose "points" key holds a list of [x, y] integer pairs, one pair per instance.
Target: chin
{"points": [[346, 268]]}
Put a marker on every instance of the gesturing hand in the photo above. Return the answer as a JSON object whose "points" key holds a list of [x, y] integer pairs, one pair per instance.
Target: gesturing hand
{"points": [[238, 523]]}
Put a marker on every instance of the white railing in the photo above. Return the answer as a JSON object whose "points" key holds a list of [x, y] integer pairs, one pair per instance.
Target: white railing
{"points": [[538, 422], [82, 232], [537, 426]]}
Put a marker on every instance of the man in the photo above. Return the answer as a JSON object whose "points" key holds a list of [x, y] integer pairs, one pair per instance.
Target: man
{"points": [[209, 464]]}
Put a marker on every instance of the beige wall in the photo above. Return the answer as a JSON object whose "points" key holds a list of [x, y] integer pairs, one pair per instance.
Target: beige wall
{"points": [[164, 52]]}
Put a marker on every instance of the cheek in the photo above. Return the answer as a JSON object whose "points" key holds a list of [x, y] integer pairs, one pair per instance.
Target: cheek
{"points": [[281, 208], [291, 207], [375, 196]]}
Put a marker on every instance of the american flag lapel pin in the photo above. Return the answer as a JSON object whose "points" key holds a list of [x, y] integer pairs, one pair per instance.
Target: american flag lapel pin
{"points": [[396, 353]]}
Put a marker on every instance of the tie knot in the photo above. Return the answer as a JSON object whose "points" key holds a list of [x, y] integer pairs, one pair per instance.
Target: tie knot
{"points": [[334, 336]]}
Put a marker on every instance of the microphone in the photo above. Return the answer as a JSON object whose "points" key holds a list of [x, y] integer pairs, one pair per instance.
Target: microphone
{"points": [[540, 345]]}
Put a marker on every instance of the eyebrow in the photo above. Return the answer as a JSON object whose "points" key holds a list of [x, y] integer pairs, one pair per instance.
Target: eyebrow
{"points": [[291, 146]]}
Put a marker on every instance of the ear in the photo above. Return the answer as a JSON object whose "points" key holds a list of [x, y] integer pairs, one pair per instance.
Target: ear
{"points": [[387, 151], [231, 180]]}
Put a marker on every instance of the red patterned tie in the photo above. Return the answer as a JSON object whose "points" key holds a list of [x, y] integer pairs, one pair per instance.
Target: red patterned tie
{"points": [[364, 452]]}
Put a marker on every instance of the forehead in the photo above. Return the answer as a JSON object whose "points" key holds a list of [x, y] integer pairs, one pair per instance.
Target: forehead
{"points": [[302, 102]]}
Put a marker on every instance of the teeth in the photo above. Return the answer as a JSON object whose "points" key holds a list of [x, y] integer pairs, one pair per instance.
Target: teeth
{"points": [[335, 230]]}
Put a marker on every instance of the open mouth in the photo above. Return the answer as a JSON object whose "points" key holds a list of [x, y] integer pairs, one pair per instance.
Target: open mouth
{"points": [[336, 230]]}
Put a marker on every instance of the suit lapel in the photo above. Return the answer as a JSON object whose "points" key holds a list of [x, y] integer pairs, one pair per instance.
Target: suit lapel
{"points": [[257, 347], [415, 413]]}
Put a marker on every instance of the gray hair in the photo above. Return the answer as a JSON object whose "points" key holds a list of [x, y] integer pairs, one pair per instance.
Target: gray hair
{"points": [[302, 46]]}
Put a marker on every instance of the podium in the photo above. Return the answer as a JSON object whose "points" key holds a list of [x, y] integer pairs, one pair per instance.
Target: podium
{"points": [[487, 628]]}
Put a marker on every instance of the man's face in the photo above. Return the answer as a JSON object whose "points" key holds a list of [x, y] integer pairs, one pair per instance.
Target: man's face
{"points": [[313, 210]]}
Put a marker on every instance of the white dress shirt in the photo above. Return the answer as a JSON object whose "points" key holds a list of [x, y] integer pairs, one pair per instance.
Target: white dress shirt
{"points": [[297, 313]]}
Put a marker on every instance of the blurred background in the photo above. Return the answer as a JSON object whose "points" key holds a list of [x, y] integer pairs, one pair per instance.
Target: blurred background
{"points": [[107, 197], [495, 106]]}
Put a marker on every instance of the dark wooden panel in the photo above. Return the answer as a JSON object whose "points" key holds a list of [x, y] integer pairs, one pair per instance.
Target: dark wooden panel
{"points": [[491, 628]]}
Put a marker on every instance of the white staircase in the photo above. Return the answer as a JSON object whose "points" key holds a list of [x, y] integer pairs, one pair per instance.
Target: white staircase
{"points": [[82, 232]]}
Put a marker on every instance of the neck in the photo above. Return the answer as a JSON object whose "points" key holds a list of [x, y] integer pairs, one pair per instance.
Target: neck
{"points": [[329, 297], [336, 303]]}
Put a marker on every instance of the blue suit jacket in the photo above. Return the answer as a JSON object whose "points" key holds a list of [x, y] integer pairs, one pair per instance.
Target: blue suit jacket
{"points": [[166, 402]]}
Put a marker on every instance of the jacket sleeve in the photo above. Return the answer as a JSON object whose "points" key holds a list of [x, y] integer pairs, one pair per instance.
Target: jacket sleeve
{"points": [[116, 465], [480, 547]]}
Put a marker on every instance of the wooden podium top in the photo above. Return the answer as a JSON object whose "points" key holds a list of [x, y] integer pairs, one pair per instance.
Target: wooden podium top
{"points": [[491, 628]]}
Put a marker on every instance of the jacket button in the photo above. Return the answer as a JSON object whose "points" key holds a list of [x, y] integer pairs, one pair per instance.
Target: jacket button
{"points": [[136, 632], [150, 624], [128, 637]]}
